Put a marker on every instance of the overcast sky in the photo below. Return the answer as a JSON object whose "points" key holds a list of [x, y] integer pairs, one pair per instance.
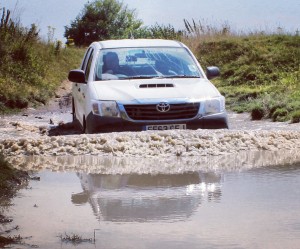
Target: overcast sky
{"points": [[246, 15]]}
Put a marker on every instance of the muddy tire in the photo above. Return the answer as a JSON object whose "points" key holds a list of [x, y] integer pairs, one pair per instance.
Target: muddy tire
{"points": [[74, 118], [84, 129]]}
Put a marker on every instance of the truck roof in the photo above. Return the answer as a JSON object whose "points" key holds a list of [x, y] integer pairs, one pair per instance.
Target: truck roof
{"points": [[127, 43]]}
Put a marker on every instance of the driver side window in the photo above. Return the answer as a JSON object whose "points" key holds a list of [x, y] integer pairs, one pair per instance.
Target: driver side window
{"points": [[88, 66]]}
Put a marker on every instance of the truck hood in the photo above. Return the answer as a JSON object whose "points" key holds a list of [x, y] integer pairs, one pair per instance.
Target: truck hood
{"points": [[151, 89]]}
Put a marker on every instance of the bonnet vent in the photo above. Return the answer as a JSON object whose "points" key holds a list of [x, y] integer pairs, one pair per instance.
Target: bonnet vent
{"points": [[156, 85]]}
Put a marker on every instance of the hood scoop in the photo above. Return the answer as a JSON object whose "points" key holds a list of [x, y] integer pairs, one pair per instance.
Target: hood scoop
{"points": [[156, 85]]}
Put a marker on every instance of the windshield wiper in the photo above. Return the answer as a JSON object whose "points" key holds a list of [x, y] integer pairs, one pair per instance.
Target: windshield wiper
{"points": [[162, 77], [180, 76], [141, 77]]}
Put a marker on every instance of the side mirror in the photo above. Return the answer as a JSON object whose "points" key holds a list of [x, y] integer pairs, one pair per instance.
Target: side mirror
{"points": [[212, 72], [77, 76]]}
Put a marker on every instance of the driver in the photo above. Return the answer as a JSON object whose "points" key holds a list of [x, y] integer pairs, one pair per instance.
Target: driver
{"points": [[111, 63]]}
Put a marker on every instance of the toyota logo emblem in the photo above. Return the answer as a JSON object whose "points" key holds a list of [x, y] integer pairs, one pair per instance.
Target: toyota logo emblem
{"points": [[163, 107]]}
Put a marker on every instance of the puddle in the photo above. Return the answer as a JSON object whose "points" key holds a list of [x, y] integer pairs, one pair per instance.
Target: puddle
{"points": [[247, 200]]}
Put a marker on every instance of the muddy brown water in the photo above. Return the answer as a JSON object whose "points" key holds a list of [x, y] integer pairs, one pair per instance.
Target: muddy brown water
{"points": [[247, 200]]}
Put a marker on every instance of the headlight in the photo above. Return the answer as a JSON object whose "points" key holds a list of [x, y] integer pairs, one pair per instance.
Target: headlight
{"points": [[106, 108], [216, 105]]}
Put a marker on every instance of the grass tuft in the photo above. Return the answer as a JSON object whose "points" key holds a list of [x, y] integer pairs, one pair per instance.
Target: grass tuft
{"points": [[73, 238]]}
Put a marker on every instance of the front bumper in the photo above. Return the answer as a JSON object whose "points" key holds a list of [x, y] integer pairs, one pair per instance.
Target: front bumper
{"points": [[95, 123]]}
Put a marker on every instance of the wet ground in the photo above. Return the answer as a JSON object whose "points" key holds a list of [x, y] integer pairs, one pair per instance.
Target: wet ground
{"points": [[49, 131], [233, 188], [55, 119], [53, 122], [251, 204]]}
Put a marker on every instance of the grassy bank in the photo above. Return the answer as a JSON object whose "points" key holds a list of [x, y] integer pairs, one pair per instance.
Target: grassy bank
{"points": [[31, 80], [10, 179], [260, 72], [30, 69]]}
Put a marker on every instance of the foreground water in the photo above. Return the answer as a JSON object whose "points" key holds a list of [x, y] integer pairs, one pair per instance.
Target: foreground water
{"points": [[250, 200]]}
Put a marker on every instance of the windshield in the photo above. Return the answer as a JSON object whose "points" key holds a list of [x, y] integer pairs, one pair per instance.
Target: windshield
{"points": [[137, 63]]}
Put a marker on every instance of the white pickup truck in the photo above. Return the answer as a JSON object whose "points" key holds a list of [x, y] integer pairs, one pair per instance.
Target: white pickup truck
{"points": [[144, 84]]}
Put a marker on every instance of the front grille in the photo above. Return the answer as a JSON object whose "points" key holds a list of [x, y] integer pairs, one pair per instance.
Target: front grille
{"points": [[149, 112]]}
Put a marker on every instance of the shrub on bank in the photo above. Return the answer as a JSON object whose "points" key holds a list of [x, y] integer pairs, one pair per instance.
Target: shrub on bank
{"points": [[295, 116]]}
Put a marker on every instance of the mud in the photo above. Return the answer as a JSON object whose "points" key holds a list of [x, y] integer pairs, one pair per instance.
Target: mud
{"points": [[44, 141], [49, 131]]}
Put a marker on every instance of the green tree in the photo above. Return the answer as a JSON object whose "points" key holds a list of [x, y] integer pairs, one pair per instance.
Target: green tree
{"points": [[102, 20]]}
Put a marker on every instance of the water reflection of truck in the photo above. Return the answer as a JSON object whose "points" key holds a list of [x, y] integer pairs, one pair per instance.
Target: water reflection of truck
{"points": [[144, 198]]}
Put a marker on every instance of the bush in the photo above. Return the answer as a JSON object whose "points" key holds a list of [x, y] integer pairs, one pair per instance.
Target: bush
{"points": [[257, 112], [295, 117], [102, 20], [280, 114]]}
